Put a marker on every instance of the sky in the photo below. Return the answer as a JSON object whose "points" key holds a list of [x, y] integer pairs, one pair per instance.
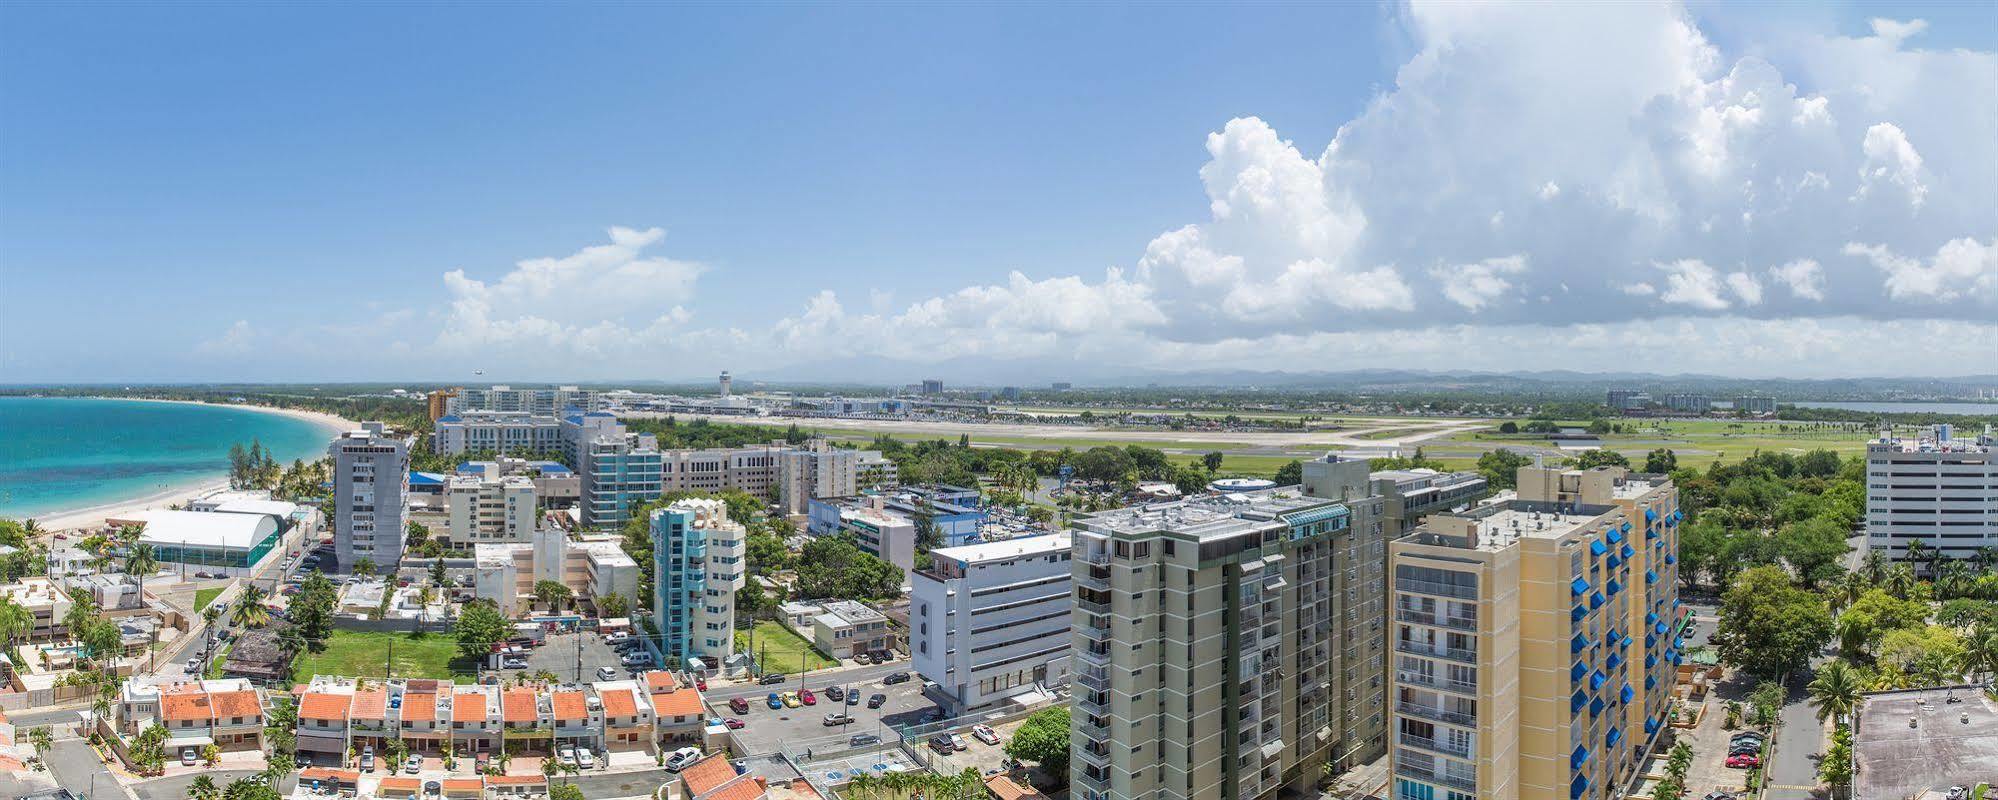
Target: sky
{"points": [[307, 192]]}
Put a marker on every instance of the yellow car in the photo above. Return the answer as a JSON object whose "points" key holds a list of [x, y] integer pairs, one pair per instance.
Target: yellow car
{"points": [[791, 700]]}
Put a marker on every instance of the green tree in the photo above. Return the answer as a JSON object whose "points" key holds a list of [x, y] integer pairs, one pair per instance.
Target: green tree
{"points": [[928, 535], [1602, 457], [1044, 740], [552, 594], [1508, 427], [565, 791], [1836, 691], [364, 567], [1931, 651], [480, 625], [1290, 474], [1661, 461], [612, 605], [437, 572], [833, 567], [1599, 427], [1769, 626], [1212, 461], [1814, 548], [203, 788], [250, 611], [1501, 468], [419, 535], [311, 610]]}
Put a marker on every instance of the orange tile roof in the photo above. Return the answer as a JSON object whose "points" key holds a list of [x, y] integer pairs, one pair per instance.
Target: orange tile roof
{"points": [[329, 774], [682, 703], [324, 705], [419, 707], [747, 788], [516, 780], [708, 774], [659, 680], [469, 707], [1003, 787], [399, 785], [242, 703], [569, 705], [518, 705], [463, 784], [186, 706], [370, 704], [618, 703]]}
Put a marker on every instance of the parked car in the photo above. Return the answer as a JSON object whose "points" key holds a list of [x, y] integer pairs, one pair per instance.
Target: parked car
{"points": [[942, 743], [738, 705], [838, 719], [984, 734], [808, 698], [194, 665], [1957, 793], [835, 693], [566, 755], [877, 700], [791, 700], [862, 658], [518, 663], [617, 637], [1744, 747], [1744, 760], [586, 759], [368, 758], [895, 678], [682, 758], [862, 740], [413, 765], [700, 683], [853, 698], [771, 678], [606, 674], [1717, 794], [188, 756], [774, 701], [637, 660], [734, 724], [957, 742]]}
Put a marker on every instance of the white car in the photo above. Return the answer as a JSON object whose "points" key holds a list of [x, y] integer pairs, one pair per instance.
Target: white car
{"points": [[586, 759], [619, 636], [682, 758], [566, 756], [194, 666], [188, 756], [414, 765], [984, 734]]}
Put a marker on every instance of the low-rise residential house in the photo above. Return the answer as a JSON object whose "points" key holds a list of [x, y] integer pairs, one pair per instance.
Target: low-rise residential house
{"points": [[226, 713], [47, 604], [475, 720], [716, 778], [847, 628], [324, 729], [419, 715], [677, 711], [573, 723], [627, 716], [527, 719]]}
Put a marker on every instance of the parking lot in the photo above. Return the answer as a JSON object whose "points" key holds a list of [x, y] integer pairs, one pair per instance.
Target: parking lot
{"points": [[977, 755], [561, 652], [798, 729]]}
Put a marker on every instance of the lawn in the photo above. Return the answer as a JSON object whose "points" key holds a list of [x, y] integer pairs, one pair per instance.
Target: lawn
{"points": [[364, 654], [202, 597], [778, 649]]}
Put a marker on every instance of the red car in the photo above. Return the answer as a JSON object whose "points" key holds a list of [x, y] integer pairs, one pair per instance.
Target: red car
{"points": [[808, 698], [739, 706], [734, 724], [701, 684], [1744, 760]]}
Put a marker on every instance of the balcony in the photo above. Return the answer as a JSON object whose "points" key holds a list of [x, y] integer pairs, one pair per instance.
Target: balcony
{"points": [[1437, 714], [1433, 745], [1092, 606], [1433, 776], [1435, 682], [1090, 731], [1089, 755], [1101, 559], [1433, 588], [1094, 677], [1426, 618], [1437, 651]]}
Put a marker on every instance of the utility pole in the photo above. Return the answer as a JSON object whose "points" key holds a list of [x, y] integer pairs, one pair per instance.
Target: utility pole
{"points": [[579, 655]]}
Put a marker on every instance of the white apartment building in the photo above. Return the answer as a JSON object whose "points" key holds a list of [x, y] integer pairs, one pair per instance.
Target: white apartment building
{"points": [[496, 432], [44, 602], [990, 621], [591, 567], [542, 402], [698, 562], [880, 532], [820, 470], [1937, 490], [370, 484], [487, 510]]}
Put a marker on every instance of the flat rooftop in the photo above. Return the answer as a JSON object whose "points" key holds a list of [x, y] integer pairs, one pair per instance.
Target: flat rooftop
{"points": [[1007, 548], [1499, 525], [1634, 487], [1207, 517], [1929, 445], [1940, 751]]}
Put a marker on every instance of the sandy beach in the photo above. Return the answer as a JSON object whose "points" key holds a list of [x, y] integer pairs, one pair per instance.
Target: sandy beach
{"points": [[93, 516]]}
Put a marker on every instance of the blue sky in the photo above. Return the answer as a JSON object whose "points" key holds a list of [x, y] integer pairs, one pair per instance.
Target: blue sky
{"points": [[236, 192]]}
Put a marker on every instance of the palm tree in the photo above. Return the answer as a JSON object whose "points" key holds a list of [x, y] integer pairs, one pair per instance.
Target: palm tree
{"points": [[1847, 591], [203, 788], [1981, 654], [42, 738], [1986, 557], [1836, 691], [1916, 552], [1901, 581], [863, 785], [250, 611], [1952, 578], [15, 621]]}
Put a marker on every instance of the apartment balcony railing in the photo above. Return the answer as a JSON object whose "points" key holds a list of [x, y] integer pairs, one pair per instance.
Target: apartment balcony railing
{"points": [[1435, 682], [1436, 776], [1092, 606], [1091, 731], [1437, 651], [1436, 714], [1099, 559], [1434, 745], [1088, 755], [1443, 621], [1433, 588]]}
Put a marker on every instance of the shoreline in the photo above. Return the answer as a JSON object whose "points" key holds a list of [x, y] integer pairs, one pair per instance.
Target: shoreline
{"points": [[93, 516]]}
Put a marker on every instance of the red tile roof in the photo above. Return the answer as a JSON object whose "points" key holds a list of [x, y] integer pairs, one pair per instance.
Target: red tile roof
{"points": [[399, 786], [618, 703], [745, 788], [243, 703], [708, 774], [469, 707], [659, 680], [516, 780], [370, 704], [324, 705], [519, 705], [569, 705], [419, 707], [186, 706], [329, 774], [685, 702]]}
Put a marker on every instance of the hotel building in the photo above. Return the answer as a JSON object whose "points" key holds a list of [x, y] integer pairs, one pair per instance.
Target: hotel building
{"points": [[370, 483], [1227, 646], [543, 402], [1535, 639], [505, 432], [1937, 490], [1408, 494], [990, 621]]}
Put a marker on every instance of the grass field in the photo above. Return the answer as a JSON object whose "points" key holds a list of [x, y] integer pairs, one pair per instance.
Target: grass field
{"points": [[202, 597], [779, 650], [365, 654], [1697, 443]]}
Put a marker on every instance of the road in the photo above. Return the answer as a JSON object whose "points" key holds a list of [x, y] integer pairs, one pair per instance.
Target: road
{"points": [[870, 674], [619, 784], [77, 768], [176, 788], [1793, 771]]}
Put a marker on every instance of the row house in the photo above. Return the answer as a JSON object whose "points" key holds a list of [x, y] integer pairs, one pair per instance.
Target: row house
{"points": [[678, 716], [342, 715], [227, 713]]}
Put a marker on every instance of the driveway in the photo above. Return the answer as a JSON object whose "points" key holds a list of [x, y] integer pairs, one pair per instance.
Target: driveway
{"points": [[1793, 771], [176, 787], [719, 695]]}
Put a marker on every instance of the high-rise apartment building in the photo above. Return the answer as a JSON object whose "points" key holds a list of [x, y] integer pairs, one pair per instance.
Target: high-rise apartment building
{"points": [[490, 510], [1755, 405], [697, 566], [438, 402], [541, 402], [619, 469], [1628, 400], [1535, 639], [1688, 403], [503, 432], [991, 621], [1935, 489], [1407, 494], [1227, 646], [820, 470], [370, 482]]}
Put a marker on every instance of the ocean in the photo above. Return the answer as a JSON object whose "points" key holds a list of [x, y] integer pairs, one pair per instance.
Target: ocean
{"points": [[1974, 409], [63, 454]]}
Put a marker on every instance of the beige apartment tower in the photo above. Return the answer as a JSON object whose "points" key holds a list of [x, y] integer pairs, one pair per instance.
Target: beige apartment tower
{"points": [[1226, 647], [1535, 639]]}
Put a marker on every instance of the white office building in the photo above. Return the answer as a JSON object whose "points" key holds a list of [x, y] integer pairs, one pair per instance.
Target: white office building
{"points": [[487, 510], [370, 484], [1937, 490], [991, 621]]}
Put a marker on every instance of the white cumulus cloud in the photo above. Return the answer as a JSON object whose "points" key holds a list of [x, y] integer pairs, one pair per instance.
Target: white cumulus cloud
{"points": [[1961, 268], [1475, 286]]}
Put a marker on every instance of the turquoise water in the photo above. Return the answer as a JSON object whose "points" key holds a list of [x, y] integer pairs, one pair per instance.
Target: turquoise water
{"points": [[62, 454]]}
